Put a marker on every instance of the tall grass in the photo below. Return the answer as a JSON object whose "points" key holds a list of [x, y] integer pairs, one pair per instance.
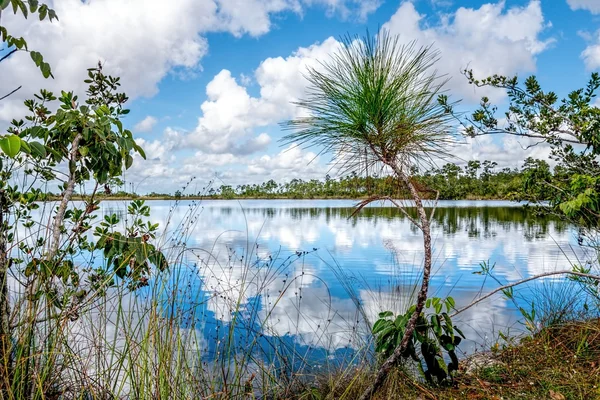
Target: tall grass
{"points": [[222, 322], [232, 321]]}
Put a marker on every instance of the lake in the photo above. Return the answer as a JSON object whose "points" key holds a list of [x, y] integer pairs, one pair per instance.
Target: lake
{"points": [[313, 276]]}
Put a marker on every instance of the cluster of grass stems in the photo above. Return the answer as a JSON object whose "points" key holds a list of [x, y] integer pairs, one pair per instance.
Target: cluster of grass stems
{"points": [[206, 329]]}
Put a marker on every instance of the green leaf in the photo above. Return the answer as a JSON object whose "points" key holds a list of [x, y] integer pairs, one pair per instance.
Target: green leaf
{"points": [[83, 150], [43, 11], [36, 57], [442, 364], [45, 67], [128, 161], [139, 150], [385, 314], [10, 145], [38, 149], [25, 147], [23, 8], [435, 324], [378, 325], [4, 4]]}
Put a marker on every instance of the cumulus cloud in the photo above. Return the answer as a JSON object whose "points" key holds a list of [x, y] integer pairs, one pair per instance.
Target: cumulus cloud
{"points": [[291, 162], [230, 114], [146, 124], [490, 40], [139, 40], [144, 41], [592, 6], [158, 169], [591, 54]]}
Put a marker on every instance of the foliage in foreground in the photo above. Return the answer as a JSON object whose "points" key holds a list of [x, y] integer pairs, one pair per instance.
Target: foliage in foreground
{"points": [[558, 363], [434, 335]]}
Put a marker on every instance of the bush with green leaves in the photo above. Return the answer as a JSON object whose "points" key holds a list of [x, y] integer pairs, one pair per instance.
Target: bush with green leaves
{"points": [[570, 126], [51, 249], [434, 332]]}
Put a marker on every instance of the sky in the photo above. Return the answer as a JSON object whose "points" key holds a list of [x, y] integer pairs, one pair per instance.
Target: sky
{"points": [[211, 80]]}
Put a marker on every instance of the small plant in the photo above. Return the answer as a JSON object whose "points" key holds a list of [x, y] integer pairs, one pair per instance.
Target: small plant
{"points": [[435, 333]]}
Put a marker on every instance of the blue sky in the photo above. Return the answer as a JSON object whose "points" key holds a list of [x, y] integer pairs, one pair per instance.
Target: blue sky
{"points": [[211, 79]]}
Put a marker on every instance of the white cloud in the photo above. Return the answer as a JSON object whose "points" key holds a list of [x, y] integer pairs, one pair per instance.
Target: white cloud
{"points": [[230, 114], [139, 40], [592, 6], [146, 124], [143, 41], [349, 8], [158, 171], [507, 150], [591, 54], [490, 40], [291, 162]]}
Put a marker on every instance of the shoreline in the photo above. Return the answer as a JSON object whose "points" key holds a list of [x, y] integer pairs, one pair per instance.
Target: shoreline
{"points": [[174, 198]]}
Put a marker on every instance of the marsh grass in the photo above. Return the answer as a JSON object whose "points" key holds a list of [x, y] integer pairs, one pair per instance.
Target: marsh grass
{"points": [[210, 327], [236, 321]]}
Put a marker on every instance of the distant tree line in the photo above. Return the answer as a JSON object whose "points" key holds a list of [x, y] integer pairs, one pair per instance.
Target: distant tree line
{"points": [[476, 180]]}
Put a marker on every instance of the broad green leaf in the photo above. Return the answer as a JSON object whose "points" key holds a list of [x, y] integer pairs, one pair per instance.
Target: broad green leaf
{"points": [[25, 147], [83, 150], [36, 57], [45, 67], [442, 364], [128, 161], [137, 148], [38, 149], [451, 301], [23, 8], [43, 11], [378, 325], [10, 145]]}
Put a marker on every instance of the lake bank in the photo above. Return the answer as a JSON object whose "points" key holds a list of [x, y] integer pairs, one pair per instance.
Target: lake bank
{"points": [[551, 364]]}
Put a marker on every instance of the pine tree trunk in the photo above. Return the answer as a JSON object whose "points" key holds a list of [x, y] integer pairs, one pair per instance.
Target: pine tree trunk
{"points": [[424, 225]]}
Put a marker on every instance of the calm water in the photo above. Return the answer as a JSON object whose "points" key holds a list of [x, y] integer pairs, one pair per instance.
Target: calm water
{"points": [[249, 256]]}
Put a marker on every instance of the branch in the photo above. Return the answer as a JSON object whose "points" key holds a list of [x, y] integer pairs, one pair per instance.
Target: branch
{"points": [[371, 199], [435, 204], [10, 53], [6, 95], [62, 207], [531, 278], [497, 131]]}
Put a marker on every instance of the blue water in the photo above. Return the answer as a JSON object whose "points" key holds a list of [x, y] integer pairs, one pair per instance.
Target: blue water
{"points": [[293, 273]]}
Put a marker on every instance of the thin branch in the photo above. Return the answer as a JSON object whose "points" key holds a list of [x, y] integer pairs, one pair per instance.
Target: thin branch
{"points": [[371, 199], [10, 53], [497, 131], [6, 95], [531, 278], [435, 203], [62, 207]]}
